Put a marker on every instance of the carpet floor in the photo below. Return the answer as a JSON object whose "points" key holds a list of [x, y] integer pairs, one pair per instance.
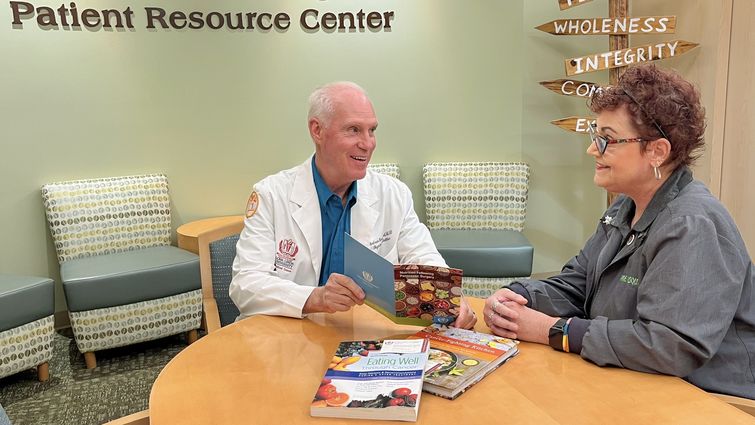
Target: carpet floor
{"points": [[118, 386]]}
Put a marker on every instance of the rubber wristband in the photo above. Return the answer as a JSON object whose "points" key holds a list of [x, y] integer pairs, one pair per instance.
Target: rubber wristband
{"points": [[565, 339]]}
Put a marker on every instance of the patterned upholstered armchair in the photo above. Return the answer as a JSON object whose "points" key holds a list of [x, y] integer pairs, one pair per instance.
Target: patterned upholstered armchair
{"points": [[27, 307], [387, 168], [476, 212], [217, 250], [123, 281]]}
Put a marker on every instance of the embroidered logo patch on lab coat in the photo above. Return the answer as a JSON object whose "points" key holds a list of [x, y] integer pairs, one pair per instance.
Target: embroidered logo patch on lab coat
{"points": [[286, 255], [252, 204]]}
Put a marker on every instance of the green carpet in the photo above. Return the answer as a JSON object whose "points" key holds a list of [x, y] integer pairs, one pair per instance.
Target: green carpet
{"points": [[119, 386]]}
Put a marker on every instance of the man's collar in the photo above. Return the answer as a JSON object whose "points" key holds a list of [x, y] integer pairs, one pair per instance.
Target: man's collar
{"points": [[323, 191]]}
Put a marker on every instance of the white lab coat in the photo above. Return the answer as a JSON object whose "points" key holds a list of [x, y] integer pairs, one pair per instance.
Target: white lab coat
{"points": [[279, 253]]}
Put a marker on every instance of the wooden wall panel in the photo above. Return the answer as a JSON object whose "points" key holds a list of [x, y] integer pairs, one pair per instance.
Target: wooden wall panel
{"points": [[738, 154]]}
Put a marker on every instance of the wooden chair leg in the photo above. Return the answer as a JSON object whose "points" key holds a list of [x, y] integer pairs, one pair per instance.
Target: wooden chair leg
{"points": [[191, 336], [43, 372], [90, 360]]}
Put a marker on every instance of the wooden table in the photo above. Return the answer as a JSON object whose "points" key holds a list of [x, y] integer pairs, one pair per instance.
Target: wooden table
{"points": [[266, 370], [188, 233]]}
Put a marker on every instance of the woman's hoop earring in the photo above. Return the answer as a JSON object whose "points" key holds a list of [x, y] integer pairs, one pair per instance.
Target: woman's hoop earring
{"points": [[657, 172]]}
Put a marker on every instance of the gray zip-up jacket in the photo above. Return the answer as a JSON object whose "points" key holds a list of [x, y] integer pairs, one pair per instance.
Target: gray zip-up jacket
{"points": [[673, 294]]}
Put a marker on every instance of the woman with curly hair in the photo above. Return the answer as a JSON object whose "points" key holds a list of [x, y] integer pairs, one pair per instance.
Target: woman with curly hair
{"points": [[665, 284]]}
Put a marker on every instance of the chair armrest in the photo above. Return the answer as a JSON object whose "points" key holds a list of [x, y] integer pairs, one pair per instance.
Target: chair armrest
{"points": [[205, 232]]}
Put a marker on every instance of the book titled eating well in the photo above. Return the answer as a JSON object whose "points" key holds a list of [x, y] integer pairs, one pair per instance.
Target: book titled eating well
{"points": [[373, 380], [460, 358], [409, 294]]}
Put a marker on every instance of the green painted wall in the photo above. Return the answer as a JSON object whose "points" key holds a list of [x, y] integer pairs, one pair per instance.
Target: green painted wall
{"points": [[564, 204], [218, 110]]}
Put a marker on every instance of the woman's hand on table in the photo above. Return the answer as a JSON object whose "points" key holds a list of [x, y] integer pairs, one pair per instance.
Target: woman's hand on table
{"points": [[507, 315]]}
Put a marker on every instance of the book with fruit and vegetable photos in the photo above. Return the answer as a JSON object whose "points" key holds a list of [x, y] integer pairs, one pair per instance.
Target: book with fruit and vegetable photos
{"points": [[460, 358], [409, 294], [373, 380]]}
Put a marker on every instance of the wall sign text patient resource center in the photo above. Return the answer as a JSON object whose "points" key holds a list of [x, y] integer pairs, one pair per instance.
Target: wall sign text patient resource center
{"points": [[156, 18]]}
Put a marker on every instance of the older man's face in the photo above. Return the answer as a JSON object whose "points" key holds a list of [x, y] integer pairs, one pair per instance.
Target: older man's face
{"points": [[345, 144]]}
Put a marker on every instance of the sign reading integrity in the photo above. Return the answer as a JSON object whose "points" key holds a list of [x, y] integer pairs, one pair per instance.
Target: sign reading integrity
{"points": [[624, 57]]}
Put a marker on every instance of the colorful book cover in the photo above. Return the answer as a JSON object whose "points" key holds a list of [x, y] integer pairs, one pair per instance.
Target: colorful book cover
{"points": [[373, 380], [460, 358], [410, 294]]}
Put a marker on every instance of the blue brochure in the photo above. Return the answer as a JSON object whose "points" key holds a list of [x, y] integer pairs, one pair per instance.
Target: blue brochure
{"points": [[411, 294], [373, 273]]}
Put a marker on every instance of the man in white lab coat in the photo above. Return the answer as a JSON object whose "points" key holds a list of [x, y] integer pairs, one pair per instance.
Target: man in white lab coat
{"points": [[289, 258]]}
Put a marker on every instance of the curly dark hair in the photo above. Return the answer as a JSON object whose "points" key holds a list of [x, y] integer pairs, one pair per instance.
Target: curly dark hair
{"points": [[664, 96]]}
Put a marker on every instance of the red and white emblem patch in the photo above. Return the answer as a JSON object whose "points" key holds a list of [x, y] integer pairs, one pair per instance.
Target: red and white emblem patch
{"points": [[286, 255]]}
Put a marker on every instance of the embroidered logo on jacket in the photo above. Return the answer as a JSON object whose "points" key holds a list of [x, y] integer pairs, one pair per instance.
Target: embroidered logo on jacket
{"points": [[629, 280], [286, 255]]}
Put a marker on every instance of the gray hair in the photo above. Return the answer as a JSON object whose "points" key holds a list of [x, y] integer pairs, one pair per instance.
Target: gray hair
{"points": [[321, 100]]}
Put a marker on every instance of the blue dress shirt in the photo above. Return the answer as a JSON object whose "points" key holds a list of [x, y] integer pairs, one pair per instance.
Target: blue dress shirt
{"points": [[336, 220]]}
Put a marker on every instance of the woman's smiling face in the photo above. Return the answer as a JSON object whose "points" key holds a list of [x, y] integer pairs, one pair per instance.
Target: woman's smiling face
{"points": [[623, 167]]}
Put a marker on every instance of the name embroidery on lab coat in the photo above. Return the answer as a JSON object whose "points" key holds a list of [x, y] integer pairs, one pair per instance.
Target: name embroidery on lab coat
{"points": [[286, 255], [377, 243]]}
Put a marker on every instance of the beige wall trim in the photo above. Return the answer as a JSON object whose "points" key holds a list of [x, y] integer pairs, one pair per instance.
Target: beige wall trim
{"points": [[719, 109]]}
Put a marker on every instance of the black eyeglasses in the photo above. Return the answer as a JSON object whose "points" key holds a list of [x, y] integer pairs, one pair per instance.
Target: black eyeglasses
{"points": [[602, 142]]}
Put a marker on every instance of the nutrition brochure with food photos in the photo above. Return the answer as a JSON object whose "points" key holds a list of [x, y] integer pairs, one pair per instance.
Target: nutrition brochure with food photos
{"points": [[410, 294]]}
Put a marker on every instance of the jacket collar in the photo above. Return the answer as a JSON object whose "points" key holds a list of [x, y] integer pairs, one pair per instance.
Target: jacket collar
{"points": [[364, 215], [619, 215], [303, 190]]}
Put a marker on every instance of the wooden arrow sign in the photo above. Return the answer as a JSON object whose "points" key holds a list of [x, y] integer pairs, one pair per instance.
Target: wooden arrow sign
{"points": [[568, 4], [611, 26], [575, 124], [624, 57], [571, 87]]}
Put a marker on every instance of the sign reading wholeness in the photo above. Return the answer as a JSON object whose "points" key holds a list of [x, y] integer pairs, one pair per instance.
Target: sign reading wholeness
{"points": [[71, 16], [608, 26]]}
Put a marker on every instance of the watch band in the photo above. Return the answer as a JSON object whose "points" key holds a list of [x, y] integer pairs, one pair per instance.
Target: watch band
{"points": [[556, 335]]}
